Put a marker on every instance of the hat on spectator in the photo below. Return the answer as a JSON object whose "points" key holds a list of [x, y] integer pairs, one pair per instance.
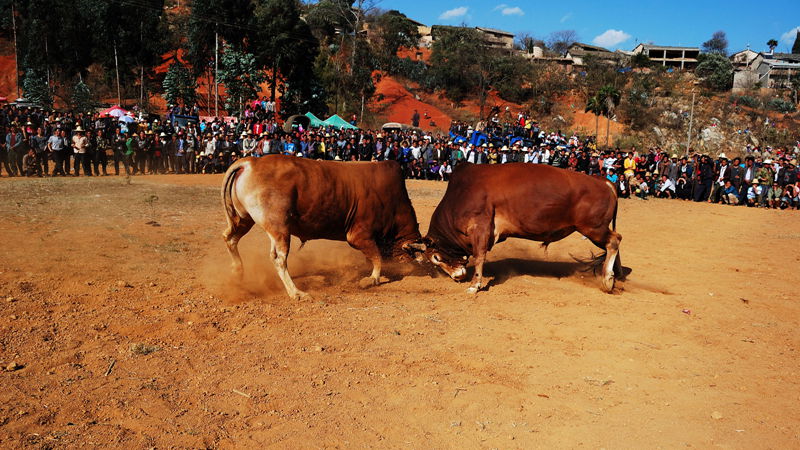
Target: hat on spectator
{"points": [[484, 145], [723, 156], [162, 134], [504, 149], [674, 155], [243, 134], [78, 129], [755, 181], [793, 162], [767, 161]]}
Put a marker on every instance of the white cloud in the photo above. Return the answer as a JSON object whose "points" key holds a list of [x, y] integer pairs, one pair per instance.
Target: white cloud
{"points": [[566, 17], [788, 37], [611, 38], [500, 6], [513, 11], [454, 13]]}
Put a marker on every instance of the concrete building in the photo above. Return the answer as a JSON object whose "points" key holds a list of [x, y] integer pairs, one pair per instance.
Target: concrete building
{"points": [[743, 58], [579, 52], [776, 70], [425, 38], [678, 57], [492, 38], [497, 38]]}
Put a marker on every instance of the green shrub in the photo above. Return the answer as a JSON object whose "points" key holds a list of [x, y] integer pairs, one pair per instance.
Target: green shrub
{"points": [[746, 100], [781, 105]]}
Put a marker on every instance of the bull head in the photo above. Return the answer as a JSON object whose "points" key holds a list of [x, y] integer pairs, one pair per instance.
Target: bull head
{"points": [[416, 250], [454, 267]]}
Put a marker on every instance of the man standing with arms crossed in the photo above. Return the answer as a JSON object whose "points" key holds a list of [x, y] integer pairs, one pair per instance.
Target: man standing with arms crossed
{"points": [[57, 146], [80, 144], [39, 146]]}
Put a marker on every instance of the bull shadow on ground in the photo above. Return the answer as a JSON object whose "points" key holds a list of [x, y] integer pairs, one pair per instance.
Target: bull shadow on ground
{"points": [[505, 269], [585, 272]]}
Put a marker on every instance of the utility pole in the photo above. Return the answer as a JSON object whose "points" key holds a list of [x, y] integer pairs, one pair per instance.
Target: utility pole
{"points": [[47, 62], [691, 119], [216, 73], [116, 66], [16, 60]]}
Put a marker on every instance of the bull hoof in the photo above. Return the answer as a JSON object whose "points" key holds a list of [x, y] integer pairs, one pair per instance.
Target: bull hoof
{"points": [[302, 296], [473, 290], [608, 285], [368, 282]]}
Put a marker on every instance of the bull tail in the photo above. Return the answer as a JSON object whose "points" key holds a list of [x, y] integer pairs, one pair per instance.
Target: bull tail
{"points": [[227, 191], [614, 217]]}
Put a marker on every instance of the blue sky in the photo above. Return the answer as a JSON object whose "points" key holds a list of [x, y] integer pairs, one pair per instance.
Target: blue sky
{"points": [[618, 24]]}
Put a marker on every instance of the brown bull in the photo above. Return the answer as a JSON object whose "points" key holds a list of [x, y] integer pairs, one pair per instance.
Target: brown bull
{"points": [[363, 203], [486, 204]]}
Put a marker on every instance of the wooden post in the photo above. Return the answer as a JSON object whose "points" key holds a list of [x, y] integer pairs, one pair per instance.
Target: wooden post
{"points": [[691, 118], [116, 67], [216, 74], [16, 59]]}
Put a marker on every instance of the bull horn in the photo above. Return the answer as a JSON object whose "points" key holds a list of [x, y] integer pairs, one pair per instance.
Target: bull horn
{"points": [[415, 245]]}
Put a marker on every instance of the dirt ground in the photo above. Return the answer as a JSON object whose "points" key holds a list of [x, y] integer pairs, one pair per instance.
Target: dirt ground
{"points": [[129, 335]]}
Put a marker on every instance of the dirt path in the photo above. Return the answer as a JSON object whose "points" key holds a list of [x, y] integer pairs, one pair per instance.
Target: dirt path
{"points": [[130, 335]]}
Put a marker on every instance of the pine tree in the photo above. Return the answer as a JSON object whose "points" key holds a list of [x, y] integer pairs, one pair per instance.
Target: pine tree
{"points": [[179, 85], [81, 98], [36, 90], [241, 76], [796, 46]]}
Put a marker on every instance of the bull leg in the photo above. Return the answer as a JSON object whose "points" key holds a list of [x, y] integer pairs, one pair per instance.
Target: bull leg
{"points": [[279, 254], [370, 249], [609, 241], [480, 246], [612, 249], [618, 273], [477, 280], [237, 227]]}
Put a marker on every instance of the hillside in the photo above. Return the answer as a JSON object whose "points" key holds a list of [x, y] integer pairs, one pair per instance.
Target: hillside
{"points": [[720, 123]]}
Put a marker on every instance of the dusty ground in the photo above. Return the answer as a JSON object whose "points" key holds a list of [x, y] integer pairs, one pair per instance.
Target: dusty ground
{"points": [[130, 335]]}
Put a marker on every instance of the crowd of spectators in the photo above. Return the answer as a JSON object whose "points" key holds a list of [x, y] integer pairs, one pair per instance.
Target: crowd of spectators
{"points": [[39, 143]]}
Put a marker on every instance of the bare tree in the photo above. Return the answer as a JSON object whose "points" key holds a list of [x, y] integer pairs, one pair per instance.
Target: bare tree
{"points": [[717, 44], [559, 41], [526, 42]]}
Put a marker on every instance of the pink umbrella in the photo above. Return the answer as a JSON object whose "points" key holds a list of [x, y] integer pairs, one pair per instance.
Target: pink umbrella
{"points": [[115, 111]]}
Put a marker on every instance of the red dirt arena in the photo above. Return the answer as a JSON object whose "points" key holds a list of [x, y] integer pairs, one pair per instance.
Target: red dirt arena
{"points": [[121, 327]]}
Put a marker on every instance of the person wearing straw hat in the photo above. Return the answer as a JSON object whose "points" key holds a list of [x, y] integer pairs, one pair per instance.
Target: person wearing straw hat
{"points": [[80, 146], [754, 193], [248, 144], [766, 173]]}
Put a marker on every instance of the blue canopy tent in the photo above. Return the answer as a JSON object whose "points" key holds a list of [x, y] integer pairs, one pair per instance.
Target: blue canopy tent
{"points": [[337, 122], [316, 122]]}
